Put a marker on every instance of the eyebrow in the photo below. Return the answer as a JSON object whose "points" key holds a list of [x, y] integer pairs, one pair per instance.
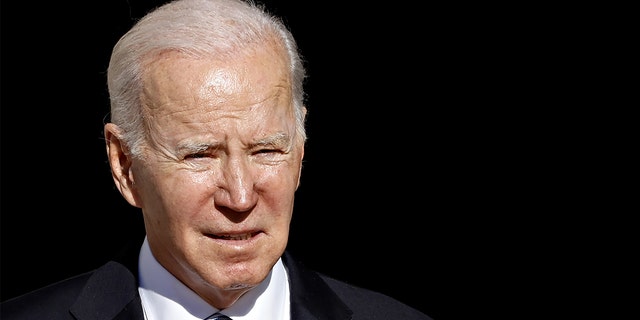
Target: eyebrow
{"points": [[277, 140], [198, 147]]}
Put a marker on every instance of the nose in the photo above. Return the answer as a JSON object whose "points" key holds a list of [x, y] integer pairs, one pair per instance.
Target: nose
{"points": [[236, 188]]}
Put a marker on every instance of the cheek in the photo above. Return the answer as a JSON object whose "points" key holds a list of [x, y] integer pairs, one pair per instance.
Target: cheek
{"points": [[278, 186], [177, 194], [281, 177], [188, 190]]}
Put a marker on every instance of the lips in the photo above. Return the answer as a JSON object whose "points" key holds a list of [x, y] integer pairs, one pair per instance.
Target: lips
{"points": [[243, 236]]}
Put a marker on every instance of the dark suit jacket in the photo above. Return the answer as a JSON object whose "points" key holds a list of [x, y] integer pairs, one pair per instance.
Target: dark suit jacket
{"points": [[111, 292]]}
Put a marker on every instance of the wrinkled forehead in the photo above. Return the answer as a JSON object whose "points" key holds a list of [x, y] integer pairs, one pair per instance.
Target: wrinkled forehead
{"points": [[177, 80]]}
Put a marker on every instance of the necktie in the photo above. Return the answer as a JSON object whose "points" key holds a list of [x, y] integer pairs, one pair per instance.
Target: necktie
{"points": [[218, 316]]}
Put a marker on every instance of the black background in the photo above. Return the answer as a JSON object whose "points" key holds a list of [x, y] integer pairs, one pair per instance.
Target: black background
{"points": [[400, 182]]}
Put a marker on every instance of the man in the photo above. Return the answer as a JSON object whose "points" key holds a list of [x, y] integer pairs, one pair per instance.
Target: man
{"points": [[206, 137]]}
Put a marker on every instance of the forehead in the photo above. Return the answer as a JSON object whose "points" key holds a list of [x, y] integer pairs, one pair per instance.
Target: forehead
{"points": [[177, 81]]}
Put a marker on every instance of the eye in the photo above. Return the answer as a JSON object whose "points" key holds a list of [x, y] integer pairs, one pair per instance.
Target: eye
{"points": [[261, 151], [270, 156], [197, 155]]}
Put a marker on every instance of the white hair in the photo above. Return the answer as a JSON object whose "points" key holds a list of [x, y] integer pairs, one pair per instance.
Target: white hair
{"points": [[198, 28]]}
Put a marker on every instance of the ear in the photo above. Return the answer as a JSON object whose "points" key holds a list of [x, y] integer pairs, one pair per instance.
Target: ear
{"points": [[120, 162], [300, 168], [304, 112]]}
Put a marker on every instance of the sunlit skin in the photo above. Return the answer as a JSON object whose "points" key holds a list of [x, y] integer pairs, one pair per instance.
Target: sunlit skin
{"points": [[222, 159]]}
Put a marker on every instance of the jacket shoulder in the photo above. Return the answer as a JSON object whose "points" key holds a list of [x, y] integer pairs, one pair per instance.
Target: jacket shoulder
{"points": [[369, 304], [103, 293], [50, 302], [318, 296]]}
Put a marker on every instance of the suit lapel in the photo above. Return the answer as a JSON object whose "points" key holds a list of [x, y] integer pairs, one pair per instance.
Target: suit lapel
{"points": [[311, 297], [112, 291]]}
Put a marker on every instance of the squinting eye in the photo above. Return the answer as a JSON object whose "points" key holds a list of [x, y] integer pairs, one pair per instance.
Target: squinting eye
{"points": [[268, 151], [196, 156]]}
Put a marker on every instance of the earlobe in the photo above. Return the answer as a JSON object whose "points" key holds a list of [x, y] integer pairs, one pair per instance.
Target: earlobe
{"points": [[120, 163]]}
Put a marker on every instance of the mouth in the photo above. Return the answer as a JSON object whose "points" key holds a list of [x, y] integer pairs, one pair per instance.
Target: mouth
{"points": [[240, 236]]}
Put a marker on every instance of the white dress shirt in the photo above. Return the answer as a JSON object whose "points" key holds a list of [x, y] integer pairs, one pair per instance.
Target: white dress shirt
{"points": [[166, 298]]}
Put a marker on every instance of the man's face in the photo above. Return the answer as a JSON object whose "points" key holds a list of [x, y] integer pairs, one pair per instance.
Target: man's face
{"points": [[220, 169]]}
